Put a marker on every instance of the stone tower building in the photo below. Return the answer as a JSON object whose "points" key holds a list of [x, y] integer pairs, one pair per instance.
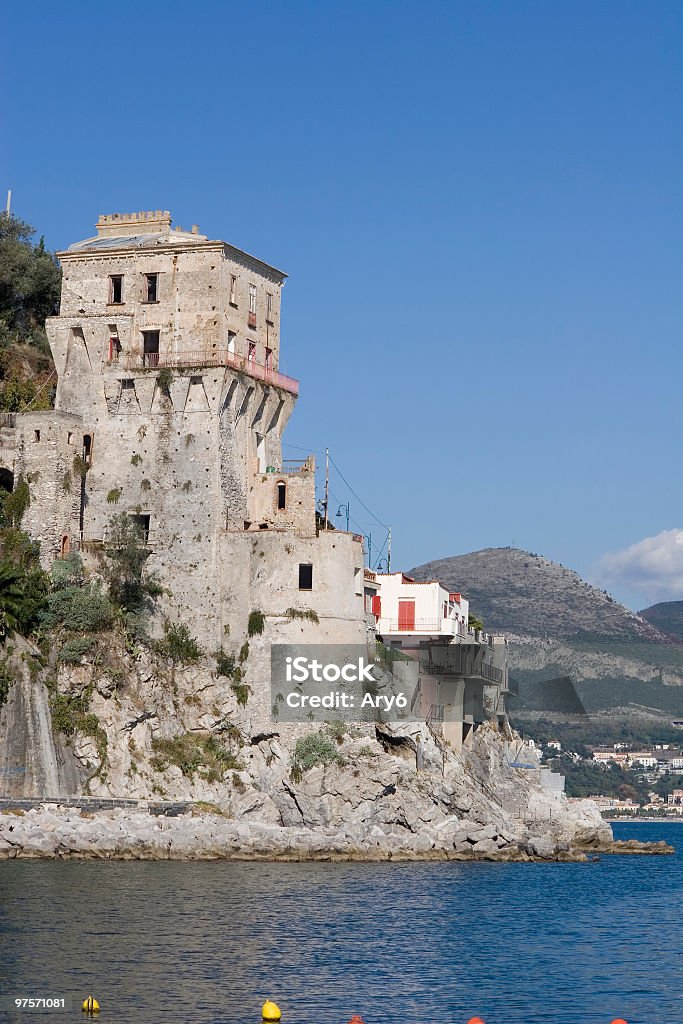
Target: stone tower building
{"points": [[170, 407]]}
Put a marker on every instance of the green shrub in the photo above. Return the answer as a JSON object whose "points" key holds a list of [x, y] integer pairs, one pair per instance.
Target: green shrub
{"points": [[244, 652], [6, 680], [165, 379], [13, 504], [136, 459], [194, 753], [67, 570], [336, 730], [312, 750], [114, 495], [78, 609], [298, 613], [178, 645], [474, 623], [74, 649], [225, 663], [80, 466], [256, 624], [70, 715], [145, 485], [241, 691], [127, 553]]}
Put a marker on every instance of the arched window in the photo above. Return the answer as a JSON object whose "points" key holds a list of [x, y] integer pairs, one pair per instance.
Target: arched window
{"points": [[6, 480], [281, 495]]}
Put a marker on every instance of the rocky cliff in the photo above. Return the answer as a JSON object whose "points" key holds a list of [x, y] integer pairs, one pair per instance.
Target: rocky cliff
{"points": [[131, 724], [562, 627]]}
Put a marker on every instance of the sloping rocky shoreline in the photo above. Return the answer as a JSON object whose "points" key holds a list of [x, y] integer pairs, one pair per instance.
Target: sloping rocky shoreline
{"points": [[53, 831]]}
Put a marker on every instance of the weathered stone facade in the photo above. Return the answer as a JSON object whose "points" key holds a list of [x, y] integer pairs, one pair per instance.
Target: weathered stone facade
{"points": [[170, 407]]}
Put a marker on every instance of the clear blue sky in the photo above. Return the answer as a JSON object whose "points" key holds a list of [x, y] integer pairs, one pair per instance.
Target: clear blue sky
{"points": [[478, 204]]}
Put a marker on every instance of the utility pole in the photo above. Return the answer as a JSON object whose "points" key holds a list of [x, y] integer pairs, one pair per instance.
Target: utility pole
{"points": [[327, 482], [389, 552], [9, 201], [369, 551]]}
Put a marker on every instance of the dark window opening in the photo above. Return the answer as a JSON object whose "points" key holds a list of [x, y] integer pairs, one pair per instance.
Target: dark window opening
{"points": [[281, 496], [87, 447], [150, 341], [36, 435], [116, 289], [196, 380], [142, 522], [263, 526], [114, 346], [305, 576], [151, 287], [6, 480], [127, 384]]}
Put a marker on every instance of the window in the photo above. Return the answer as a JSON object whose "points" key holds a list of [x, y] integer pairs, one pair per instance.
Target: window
{"points": [[142, 523], [150, 344], [252, 351], [281, 496], [305, 576], [127, 384], [231, 342], [87, 448], [269, 307], [269, 359], [114, 346], [115, 289], [252, 298], [36, 435], [233, 290], [151, 287]]}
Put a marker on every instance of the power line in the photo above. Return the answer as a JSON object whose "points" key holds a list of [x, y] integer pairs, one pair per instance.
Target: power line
{"points": [[356, 496]]}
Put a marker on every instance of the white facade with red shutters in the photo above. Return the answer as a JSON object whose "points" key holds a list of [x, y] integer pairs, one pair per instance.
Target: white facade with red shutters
{"points": [[407, 611]]}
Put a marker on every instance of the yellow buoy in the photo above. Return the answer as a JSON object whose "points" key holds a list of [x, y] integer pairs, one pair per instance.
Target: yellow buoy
{"points": [[90, 1005], [270, 1011]]}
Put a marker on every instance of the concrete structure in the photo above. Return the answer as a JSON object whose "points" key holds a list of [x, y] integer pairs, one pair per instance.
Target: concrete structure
{"points": [[170, 407]]}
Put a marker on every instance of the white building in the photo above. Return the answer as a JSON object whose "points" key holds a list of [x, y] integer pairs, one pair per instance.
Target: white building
{"points": [[407, 611]]}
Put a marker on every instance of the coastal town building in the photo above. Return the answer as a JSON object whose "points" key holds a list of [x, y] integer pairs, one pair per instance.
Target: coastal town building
{"points": [[408, 611], [170, 407]]}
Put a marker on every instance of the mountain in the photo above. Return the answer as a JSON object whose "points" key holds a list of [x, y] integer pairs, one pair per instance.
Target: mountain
{"points": [[561, 627], [666, 616]]}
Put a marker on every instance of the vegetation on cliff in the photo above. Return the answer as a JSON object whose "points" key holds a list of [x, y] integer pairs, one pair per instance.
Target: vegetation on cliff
{"points": [[30, 286]]}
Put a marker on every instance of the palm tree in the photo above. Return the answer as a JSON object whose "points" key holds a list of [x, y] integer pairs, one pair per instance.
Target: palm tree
{"points": [[17, 605]]}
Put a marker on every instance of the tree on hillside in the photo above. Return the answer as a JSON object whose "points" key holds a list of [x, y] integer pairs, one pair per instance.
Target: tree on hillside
{"points": [[30, 282]]}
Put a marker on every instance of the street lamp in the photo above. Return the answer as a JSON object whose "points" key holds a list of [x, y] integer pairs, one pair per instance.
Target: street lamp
{"points": [[339, 512]]}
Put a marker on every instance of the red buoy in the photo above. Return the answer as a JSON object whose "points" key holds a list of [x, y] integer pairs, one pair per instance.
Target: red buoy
{"points": [[619, 1020], [478, 1020], [356, 1019]]}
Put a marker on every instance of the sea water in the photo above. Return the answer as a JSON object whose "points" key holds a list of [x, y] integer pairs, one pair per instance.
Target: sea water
{"points": [[410, 943]]}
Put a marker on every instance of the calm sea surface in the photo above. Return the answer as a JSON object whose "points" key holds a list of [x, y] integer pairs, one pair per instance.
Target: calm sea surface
{"points": [[412, 943]]}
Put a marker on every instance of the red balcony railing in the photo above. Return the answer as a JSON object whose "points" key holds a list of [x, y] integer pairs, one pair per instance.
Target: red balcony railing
{"points": [[218, 357]]}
